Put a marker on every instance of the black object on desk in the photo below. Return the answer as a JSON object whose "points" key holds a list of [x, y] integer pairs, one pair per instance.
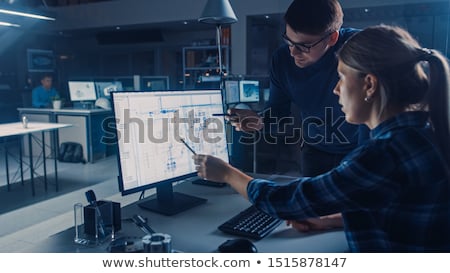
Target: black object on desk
{"points": [[126, 244], [250, 223], [237, 246], [107, 213], [209, 183], [142, 224]]}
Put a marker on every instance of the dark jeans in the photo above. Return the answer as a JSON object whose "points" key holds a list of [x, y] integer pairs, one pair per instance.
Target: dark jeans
{"points": [[314, 162]]}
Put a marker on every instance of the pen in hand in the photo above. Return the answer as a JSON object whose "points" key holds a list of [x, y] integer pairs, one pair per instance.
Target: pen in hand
{"points": [[224, 115], [187, 146]]}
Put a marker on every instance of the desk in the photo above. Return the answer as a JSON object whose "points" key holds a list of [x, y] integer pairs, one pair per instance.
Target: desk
{"points": [[195, 230], [16, 129], [88, 127]]}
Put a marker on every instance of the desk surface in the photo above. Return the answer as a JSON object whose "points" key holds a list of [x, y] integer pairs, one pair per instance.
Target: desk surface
{"points": [[195, 230], [64, 110], [16, 128]]}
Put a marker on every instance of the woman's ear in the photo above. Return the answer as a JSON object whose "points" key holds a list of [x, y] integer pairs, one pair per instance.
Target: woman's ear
{"points": [[370, 85]]}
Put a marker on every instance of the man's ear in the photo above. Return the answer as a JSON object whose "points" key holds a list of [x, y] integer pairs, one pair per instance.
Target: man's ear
{"points": [[370, 85], [334, 37]]}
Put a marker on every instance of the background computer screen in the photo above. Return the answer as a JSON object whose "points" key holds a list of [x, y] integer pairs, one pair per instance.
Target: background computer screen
{"points": [[249, 91], [82, 91], [154, 83], [104, 89], [149, 127], [232, 91]]}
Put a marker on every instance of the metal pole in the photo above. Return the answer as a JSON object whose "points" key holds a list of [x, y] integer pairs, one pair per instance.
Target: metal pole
{"points": [[218, 31]]}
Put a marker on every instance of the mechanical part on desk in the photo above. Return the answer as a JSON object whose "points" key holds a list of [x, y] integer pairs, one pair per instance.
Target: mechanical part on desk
{"points": [[142, 224], [126, 244], [157, 243]]}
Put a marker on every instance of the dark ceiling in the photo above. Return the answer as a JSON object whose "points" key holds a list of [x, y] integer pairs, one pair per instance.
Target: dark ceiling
{"points": [[49, 3]]}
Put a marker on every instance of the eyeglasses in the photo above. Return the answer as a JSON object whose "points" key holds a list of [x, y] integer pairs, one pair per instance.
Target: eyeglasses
{"points": [[306, 48]]}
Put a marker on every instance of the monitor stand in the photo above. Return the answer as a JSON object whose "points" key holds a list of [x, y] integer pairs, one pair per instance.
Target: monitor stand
{"points": [[168, 202], [83, 105], [204, 182]]}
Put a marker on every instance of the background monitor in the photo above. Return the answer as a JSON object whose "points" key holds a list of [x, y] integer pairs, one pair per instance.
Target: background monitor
{"points": [[154, 83], [82, 91], [149, 125], [231, 91], [248, 91], [104, 89]]}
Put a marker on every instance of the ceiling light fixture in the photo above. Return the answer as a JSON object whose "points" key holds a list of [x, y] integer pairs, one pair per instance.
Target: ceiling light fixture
{"points": [[6, 24], [26, 14]]}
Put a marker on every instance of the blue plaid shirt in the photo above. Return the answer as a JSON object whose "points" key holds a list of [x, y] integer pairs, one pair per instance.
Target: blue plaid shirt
{"points": [[393, 191]]}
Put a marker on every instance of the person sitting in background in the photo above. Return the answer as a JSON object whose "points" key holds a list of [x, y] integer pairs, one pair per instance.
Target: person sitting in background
{"points": [[393, 191], [42, 95]]}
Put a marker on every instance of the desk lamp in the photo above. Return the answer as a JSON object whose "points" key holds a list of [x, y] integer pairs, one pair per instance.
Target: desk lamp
{"points": [[218, 12]]}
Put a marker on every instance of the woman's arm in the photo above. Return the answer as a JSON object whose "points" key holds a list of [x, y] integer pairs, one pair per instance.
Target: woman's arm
{"points": [[215, 169]]}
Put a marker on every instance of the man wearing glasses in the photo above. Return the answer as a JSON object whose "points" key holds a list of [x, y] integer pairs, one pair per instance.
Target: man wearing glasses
{"points": [[304, 73]]}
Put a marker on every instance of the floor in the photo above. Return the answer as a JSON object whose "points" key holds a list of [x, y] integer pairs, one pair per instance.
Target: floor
{"points": [[32, 219]]}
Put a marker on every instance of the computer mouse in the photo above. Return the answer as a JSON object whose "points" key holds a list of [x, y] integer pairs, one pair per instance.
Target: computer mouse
{"points": [[237, 246]]}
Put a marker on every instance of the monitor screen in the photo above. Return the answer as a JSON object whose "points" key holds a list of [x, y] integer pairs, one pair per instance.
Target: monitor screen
{"points": [[82, 91], [249, 91], [104, 89], [149, 128], [154, 83], [232, 91]]}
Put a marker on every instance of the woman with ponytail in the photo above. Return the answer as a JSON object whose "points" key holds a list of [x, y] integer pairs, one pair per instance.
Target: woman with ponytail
{"points": [[393, 191]]}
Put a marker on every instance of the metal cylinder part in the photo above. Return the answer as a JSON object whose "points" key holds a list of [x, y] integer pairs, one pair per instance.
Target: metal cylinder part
{"points": [[25, 122], [157, 243]]}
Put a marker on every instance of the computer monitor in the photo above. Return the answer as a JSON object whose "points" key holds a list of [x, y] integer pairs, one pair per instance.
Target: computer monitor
{"points": [[149, 126], [104, 89], [231, 91], [154, 83], [82, 91], [248, 91]]}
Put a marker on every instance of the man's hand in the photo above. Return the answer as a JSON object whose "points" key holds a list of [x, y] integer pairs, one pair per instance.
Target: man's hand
{"points": [[317, 224], [244, 120]]}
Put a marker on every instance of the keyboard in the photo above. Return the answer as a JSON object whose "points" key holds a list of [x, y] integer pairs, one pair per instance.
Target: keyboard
{"points": [[250, 223]]}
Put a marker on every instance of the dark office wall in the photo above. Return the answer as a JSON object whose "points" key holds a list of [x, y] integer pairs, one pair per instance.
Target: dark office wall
{"points": [[14, 70], [85, 56]]}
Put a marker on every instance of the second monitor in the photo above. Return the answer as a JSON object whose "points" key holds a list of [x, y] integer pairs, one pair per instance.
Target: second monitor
{"points": [[249, 91], [242, 91]]}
